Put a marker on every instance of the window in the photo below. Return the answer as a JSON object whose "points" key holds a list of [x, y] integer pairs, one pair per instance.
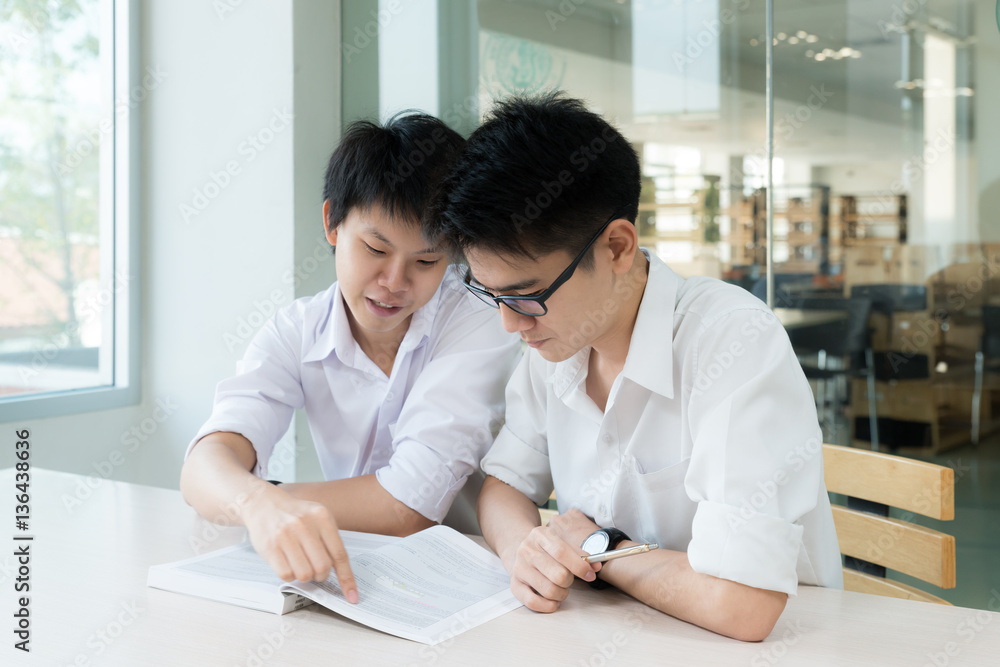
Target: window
{"points": [[68, 241]]}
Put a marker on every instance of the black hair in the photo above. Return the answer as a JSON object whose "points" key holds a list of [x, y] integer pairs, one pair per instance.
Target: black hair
{"points": [[396, 166], [540, 174]]}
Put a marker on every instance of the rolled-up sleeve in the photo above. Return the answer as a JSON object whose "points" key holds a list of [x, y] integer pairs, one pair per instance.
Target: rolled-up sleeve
{"points": [[259, 401], [756, 464], [452, 412], [520, 457]]}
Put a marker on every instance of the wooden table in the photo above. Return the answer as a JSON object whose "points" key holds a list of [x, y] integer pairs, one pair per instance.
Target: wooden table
{"points": [[90, 606]]}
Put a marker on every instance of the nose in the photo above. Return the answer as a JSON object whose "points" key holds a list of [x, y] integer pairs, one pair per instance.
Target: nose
{"points": [[395, 277], [513, 321]]}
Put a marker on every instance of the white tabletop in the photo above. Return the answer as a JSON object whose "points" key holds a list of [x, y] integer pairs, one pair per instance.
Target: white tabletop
{"points": [[90, 606]]}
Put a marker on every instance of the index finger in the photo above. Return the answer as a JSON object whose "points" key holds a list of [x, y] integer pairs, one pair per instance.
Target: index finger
{"points": [[341, 563], [570, 557]]}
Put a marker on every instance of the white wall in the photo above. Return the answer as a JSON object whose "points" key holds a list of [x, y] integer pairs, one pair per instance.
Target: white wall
{"points": [[228, 77]]}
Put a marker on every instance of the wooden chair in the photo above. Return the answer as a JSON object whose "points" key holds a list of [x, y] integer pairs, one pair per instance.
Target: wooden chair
{"points": [[545, 512], [879, 481]]}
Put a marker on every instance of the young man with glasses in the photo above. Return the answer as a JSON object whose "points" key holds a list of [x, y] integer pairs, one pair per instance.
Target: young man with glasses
{"points": [[660, 410]]}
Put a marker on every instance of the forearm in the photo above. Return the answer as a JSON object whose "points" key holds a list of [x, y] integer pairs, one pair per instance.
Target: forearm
{"points": [[362, 504], [216, 479], [664, 580], [506, 516]]}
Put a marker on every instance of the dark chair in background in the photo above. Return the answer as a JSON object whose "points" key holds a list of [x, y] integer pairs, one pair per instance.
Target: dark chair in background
{"points": [[987, 359], [849, 341]]}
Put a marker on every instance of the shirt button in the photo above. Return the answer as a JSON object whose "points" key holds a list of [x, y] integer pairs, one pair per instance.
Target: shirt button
{"points": [[390, 396], [604, 510], [608, 438]]}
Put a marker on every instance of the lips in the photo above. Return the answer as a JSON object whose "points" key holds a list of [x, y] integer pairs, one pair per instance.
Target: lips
{"points": [[536, 343], [384, 309], [383, 304]]}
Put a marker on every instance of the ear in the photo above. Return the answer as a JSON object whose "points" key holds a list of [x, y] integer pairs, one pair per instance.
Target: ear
{"points": [[623, 241], [331, 234]]}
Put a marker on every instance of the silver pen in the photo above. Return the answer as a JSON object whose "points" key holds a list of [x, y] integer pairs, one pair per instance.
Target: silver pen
{"points": [[620, 553]]}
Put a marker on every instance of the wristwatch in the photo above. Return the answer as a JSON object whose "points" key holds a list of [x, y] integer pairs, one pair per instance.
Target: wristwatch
{"points": [[599, 541]]}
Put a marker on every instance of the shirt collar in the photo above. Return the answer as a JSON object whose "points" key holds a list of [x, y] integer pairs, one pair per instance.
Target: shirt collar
{"points": [[333, 334], [650, 359]]}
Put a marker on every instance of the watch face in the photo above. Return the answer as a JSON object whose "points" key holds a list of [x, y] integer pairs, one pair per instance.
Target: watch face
{"points": [[596, 542]]}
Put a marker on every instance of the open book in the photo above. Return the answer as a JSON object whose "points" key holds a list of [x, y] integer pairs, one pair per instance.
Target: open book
{"points": [[427, 587]]}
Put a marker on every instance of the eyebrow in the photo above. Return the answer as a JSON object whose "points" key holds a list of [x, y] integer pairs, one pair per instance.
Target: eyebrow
{"points": [[426, 251], [515, 287]]}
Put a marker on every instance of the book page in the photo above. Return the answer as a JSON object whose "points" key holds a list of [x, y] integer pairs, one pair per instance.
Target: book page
{"points": [[427, 587], [238, 575], [243, 563]]}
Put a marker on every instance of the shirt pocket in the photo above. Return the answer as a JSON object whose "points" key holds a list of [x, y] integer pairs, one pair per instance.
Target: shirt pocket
{"points": [[663, 510]]}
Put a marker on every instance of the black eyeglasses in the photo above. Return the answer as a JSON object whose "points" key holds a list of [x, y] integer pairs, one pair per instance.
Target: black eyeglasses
{"points": [[534, 306]]}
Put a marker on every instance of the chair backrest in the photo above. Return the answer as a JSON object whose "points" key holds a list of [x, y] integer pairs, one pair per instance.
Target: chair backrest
{"points": [[991, 331], [915, 487]]}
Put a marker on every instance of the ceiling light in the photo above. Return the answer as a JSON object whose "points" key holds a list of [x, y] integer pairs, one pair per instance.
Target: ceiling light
{"points": [[810, 53], [802, 34], [812, 39], [828, 52], [793, 40], [782, 35], [754, 42], [820, 57]]}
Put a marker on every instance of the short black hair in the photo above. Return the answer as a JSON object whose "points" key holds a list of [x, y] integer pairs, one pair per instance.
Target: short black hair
{"points": [[540, 174], [396, 166]]}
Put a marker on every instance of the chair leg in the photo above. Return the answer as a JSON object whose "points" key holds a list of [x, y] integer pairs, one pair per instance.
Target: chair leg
{"points": [[872, 416], [977, 397], [821, 388]]}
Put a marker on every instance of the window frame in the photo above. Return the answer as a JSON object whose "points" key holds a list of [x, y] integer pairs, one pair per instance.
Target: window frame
{"points": [[122, 188]]}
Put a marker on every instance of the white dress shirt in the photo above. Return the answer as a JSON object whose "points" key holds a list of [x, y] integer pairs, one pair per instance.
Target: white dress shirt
{"points": [[421, 431], [709, 442]]}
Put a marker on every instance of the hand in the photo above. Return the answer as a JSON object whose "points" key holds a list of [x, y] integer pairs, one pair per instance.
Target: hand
{"points": [[299, 539], [574, 526], [544, 568]]}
